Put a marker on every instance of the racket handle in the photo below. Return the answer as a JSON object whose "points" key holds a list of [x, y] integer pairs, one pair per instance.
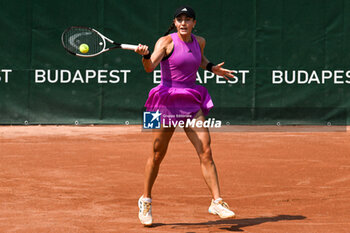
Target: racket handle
{"points": [[128, 46]]}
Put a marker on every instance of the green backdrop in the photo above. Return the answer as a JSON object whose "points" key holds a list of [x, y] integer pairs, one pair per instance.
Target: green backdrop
{"points": [[259, 36]]}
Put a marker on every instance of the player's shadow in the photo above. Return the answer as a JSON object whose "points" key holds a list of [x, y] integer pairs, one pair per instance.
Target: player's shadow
{"points": [[234, 224]]}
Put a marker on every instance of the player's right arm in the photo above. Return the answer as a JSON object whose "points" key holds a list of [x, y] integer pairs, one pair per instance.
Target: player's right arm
{"points": [[160, 49]]}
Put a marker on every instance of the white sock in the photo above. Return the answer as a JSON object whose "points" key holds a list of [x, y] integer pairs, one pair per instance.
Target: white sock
{"points": [[218, 200], [147, 199]]}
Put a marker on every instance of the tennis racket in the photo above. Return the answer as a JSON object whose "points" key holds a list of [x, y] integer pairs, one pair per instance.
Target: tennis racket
{"points": [[75, 37]]}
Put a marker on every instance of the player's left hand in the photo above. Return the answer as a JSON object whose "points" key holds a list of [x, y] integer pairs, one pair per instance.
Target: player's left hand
{"points": [[219, 70]]}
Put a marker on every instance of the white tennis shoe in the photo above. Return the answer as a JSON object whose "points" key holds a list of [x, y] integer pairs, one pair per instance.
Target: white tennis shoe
{"points": [[221, 208], [145, 212]]}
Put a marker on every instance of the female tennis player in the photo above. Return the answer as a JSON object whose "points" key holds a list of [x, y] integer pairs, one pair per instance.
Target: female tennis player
{"points": [[180, 54]]}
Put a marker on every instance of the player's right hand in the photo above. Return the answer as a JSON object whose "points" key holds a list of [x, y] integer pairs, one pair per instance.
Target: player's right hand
{"points": [[142, 49]]}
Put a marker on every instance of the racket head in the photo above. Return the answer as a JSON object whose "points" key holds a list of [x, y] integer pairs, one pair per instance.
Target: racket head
{"points": [[75, 36]]}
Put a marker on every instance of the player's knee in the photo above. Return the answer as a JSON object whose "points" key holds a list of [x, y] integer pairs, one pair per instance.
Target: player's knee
{"points": [[158, 157], [206, 148], [206, 155]]}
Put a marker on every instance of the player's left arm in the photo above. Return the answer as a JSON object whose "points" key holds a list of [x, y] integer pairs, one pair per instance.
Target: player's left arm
{"points": [[216, 69]]}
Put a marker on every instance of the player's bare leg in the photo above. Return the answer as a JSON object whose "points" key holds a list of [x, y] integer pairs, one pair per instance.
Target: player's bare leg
{"points": [[160, 146], [200, 139]]}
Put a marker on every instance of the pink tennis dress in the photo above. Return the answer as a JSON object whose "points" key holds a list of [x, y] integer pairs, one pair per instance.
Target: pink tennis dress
{"points": [[178, 97]]}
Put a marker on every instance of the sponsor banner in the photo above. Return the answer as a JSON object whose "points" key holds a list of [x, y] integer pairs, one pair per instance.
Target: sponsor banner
{"points": [[241, 77]]}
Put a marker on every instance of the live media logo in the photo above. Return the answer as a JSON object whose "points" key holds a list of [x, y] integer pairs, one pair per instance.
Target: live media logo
{"points": [[151, 120]]}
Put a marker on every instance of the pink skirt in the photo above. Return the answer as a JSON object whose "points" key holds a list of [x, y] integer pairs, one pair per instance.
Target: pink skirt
{"points": [[179, 102]]}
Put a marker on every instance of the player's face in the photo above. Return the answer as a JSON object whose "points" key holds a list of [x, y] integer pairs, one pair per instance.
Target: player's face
{"points": [[184, 24]]}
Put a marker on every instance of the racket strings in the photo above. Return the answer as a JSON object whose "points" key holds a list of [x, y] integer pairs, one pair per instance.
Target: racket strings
{"points": [[74, 37]]}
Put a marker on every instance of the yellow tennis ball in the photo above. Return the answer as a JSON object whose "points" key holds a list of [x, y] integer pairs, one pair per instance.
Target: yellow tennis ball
{"points": [[84, 48]]}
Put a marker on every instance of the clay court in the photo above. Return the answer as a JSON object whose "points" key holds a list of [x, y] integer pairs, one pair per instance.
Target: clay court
{"points": [[89, 178]]}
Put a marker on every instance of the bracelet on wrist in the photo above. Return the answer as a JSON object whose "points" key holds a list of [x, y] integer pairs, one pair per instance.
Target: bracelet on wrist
{"points": [[148, 56], [210, 66]]}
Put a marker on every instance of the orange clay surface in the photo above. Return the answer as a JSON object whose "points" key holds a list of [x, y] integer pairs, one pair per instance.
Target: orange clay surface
{"points": [[89, 178]]}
